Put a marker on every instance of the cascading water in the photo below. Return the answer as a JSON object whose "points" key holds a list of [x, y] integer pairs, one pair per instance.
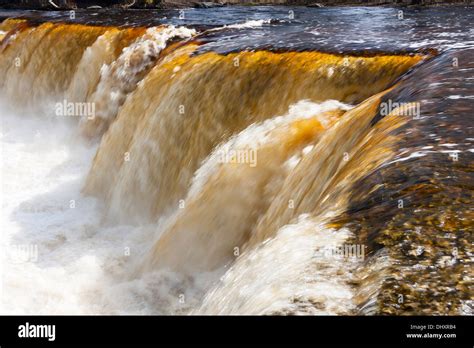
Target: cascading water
{"points": [[146, 171]]}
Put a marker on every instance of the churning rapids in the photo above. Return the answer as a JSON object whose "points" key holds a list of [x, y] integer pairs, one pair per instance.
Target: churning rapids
{"points": [[265, 160]]}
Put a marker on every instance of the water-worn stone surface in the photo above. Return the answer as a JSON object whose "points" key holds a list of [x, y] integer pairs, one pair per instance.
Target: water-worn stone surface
{"points": [[418, 209]]}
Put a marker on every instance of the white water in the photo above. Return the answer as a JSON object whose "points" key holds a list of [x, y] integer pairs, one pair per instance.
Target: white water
{"points": [[121, 77], [80, 266], [256, 135], [255, 23], [288, 274], [85, 267], [42, 172]]}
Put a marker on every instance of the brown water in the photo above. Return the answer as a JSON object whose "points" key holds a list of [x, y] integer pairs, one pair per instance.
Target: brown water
{"points": [[235, 157]]}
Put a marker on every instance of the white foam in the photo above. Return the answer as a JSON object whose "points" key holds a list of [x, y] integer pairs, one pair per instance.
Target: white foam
{"points": [[122, 75], [287, 274], [255, 23], [256, 135], [73, 263], [85, 267]]}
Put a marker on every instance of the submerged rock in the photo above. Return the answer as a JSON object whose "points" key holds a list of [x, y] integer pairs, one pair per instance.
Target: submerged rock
{"points": [[207, 4]]}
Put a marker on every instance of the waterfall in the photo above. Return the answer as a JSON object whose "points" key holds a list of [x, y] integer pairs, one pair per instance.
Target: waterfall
{"points": [[227, 178]]}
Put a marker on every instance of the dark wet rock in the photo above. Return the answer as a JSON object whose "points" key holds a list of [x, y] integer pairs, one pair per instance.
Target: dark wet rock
{"points": [[207, 4], [429, 241]]}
